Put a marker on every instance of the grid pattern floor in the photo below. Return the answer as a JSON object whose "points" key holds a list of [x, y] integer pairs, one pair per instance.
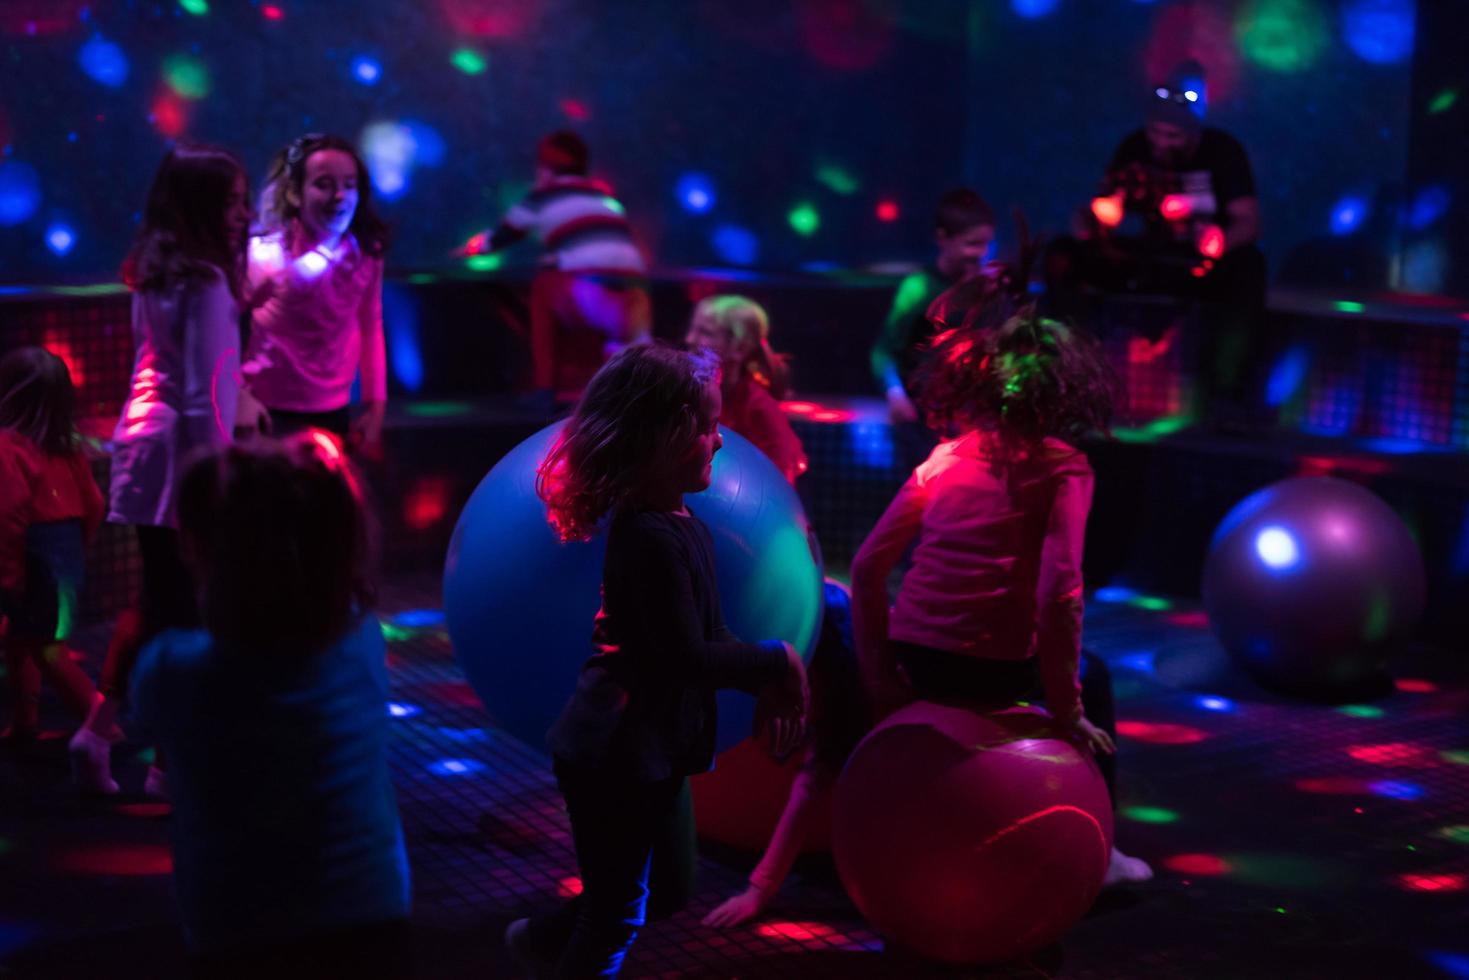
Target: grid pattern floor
{"points": [[1289, 840]]}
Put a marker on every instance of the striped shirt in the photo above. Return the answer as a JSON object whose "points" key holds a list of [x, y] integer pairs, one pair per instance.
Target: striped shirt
{"points": [[581, 224]]}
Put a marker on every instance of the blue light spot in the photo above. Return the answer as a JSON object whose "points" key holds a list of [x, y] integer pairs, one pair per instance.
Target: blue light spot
{"points": [[1277, 547], [419, 618], [872, 445], [465, 734], [428, 146], [1379, 31], [400, 325], [1114, 593], [456, 767], [102, 61], [1455, 965], [1209, 702], [694, 192], [1430, 204], [1347, 214], [20, 192], [366, 70], [736, 245], [1288, 375], [1030, 9], [60, 239], [1395, 790], [1142, 662], [398, 710]]}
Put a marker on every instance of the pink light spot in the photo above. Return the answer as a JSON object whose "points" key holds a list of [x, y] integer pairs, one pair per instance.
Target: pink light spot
{"points": [[1413, 686], [1198, 864], [1394, 754], [887, 210], [271, 12], [575, 109], [569, 887], [1161, 733], [1451, 882]]}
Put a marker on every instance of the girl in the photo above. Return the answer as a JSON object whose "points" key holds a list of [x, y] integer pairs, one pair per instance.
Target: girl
{"points": [[990, 611], [755, 378], [316, 280], [642, 717], [49, 508], [288, 852], [186, 271]]}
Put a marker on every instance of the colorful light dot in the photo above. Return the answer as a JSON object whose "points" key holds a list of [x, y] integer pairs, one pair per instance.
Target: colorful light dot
{"points": [[187, 76], [366, 70], [1361, 711], [1197, 864], [1282, 35], [1459, 757], [1457, 833], [271, 12], [837, 179], [804, 219], [1443, 101], [1411, 685], [1443, 882], [1347, 214], [735, 245], [1347, 306], [887, 211], [469, 61], [196, 7], [1277, 547], [104, 62], [60, 239], [1148, 814], [695, 192], [1211, 703], [456, 767], [398, 710], [485, 263], [1379, 31]]}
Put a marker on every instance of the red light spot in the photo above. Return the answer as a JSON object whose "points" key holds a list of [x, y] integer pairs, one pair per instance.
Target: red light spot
{"points": [[1432, 882], [169, 115], [1326, 465], [796, 931], [452, 692], [575, 109], [1413, 686], [477, 244], [116, 859], [887, 210], [272, 12], [831, 415], [800, 408], [426, 502], [1175, 207], [1161, 734], [1197, 864], [1394, 754], [1108, 210], [330, 447], [1198, 271], [1335, 785], [569, 887], [1211, 242], [1198, 619], [57, 344]]}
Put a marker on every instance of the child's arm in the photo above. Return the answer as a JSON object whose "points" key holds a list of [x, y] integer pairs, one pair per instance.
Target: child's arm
{"points": [[1059, 593], [911, 294], [875, 560], [367, 428]]}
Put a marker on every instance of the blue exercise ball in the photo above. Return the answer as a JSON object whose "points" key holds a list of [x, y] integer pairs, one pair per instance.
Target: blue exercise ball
{"points": [[1311, 583], [519, 603]]}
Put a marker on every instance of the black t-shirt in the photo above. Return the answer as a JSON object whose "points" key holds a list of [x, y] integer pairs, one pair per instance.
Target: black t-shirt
{"points": [[1217, 173]]}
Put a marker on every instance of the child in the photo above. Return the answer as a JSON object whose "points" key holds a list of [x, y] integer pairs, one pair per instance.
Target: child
{"points": [[49, 508], [990, 611], [754, 377], [316, 281], [593, 279], [288, 852], [964, 227], [186, 271], [642, 718]]}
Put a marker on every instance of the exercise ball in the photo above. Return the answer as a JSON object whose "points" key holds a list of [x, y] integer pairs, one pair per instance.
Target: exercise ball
{"points": [[1311, 583], [519, 603], [971, 837]]}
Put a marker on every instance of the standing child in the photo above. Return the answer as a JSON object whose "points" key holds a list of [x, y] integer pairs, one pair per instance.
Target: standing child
{"points": [[990, 610], [754, 378], [316, 280], [593, 279], [642, 719], [186, 271], [49, 508], [964, 228], [288, 852]]}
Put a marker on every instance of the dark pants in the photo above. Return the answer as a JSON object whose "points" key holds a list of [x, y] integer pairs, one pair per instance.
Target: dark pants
{"points": [[168, 602], [937, 675], [284, 423], [635, 850], [376, 951]]}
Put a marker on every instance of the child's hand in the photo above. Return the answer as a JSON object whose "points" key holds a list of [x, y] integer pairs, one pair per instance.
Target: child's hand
{"points": [[251, 417], [366, 433], [1092, 737], [780, 711], [737, 909]]}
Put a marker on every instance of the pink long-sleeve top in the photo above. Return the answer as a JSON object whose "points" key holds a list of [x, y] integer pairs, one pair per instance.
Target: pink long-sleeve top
{"points": [[321, 321], [997, 569]]}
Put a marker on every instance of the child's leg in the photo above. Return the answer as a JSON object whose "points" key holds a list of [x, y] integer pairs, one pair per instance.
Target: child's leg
{"points": [[71, 682], [24, 680], [674, 865]]}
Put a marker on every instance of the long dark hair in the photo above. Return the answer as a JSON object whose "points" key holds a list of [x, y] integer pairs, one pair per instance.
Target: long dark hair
{"points": [[183, 236], [285, 189], [1006, 369], [37, 399], [642, 408], [282, 540]]}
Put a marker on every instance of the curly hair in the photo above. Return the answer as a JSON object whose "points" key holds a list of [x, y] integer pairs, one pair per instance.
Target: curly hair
{"points": [[642, 408], [280, 201], [748, 326], [1008, 370]]}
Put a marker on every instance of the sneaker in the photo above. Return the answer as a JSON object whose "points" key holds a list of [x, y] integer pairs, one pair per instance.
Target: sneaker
{"points": [[156, 783], [1124, 870], [526, 956], [91, 763]]}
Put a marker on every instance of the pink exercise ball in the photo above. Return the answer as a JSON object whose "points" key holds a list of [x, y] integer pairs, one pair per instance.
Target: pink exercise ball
{"points": [[968, 837]]}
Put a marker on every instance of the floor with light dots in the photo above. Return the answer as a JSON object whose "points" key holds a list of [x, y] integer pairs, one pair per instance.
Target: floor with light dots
{"points": [[1289, 840]]}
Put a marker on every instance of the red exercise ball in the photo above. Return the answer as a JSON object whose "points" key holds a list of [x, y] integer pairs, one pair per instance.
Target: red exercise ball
{"points": [[968, 837], [739, 802]]}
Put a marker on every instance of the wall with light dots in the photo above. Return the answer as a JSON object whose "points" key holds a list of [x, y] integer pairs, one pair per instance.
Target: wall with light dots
{"points": [[771, 134]]}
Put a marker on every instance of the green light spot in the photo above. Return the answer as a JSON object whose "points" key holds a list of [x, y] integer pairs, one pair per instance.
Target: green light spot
{"points": [[1443, 101], [1154, 430], [1361, 711], [1347, 306], [96, 289], [1282, 35], [1458, 833], [196, 7], [437, 410], [469, 61], [187, 76], [804, 219], [420, 278], [1459, 757], [1412, 848], [1280, 909], [394, 633], [1149, 814], [484, 263], [146, 757], [1151, 603], [837, 180], [615, 206]]}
